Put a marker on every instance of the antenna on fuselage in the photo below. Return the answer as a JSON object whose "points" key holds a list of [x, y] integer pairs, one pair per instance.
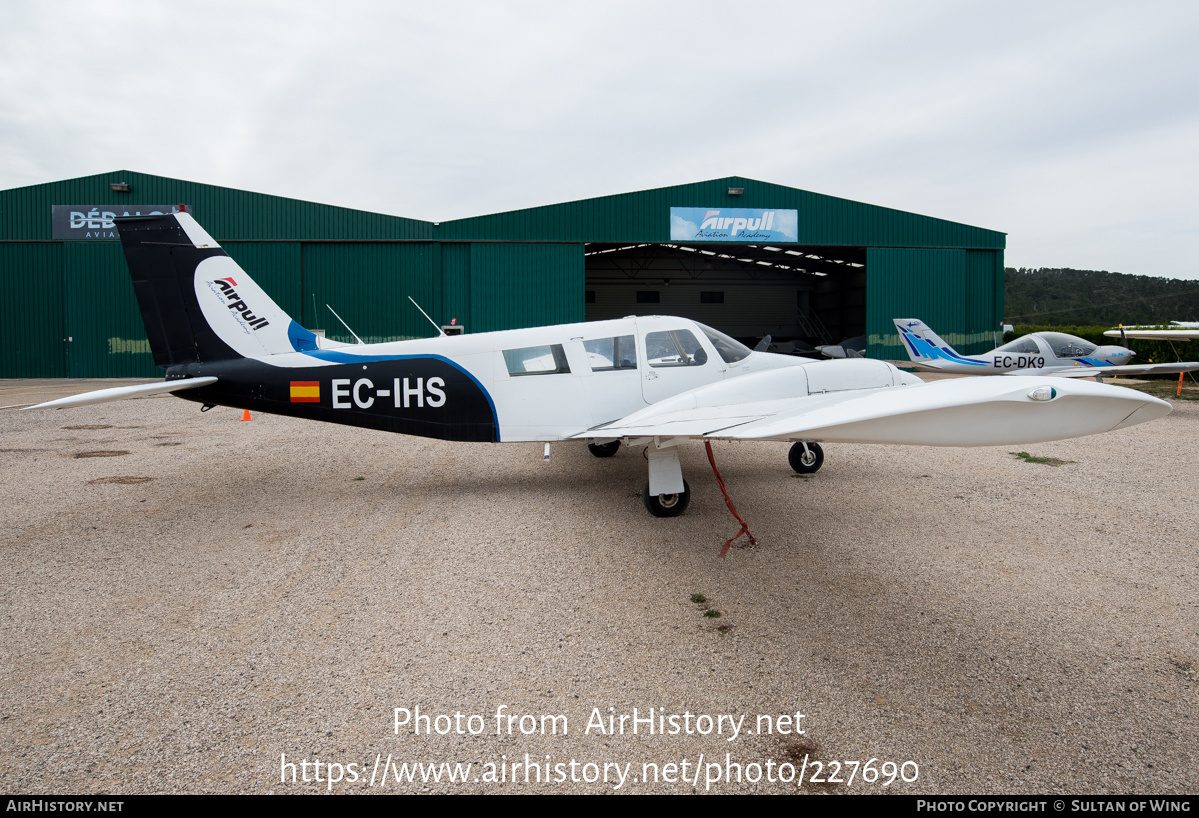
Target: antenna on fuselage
{"points": [[426, 315], [344, 324]]}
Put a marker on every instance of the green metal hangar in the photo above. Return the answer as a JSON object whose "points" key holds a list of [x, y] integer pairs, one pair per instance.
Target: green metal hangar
{"points": [[747, 257]]}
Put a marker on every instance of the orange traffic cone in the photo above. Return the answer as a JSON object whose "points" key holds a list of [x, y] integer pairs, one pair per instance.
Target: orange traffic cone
{"points": [[245, 415]]}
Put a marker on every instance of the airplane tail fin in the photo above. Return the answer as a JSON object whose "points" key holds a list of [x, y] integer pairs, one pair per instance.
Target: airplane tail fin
{"points": [[922, 344], [197, 303]]}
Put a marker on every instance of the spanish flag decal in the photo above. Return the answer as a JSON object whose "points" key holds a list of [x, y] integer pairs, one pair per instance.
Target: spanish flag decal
{"points": [[305, 391]]}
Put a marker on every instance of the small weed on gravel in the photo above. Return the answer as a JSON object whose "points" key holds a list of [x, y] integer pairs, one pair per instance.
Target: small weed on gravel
{"points": [[1048, 461]]}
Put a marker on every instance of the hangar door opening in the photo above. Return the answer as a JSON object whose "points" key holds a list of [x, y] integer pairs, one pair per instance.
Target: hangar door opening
{"points": [[811, 294]]}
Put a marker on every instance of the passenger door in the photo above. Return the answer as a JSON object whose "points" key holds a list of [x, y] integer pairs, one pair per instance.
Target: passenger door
{"points": [[676, 359]]}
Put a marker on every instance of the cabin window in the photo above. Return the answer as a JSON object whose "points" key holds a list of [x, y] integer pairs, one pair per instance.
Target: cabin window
{"points": [[611, 354], [545, 360], [676, 347]]}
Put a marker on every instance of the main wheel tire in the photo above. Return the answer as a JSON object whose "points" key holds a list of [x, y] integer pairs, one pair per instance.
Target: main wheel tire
{"points": [[808, 462], [666, 505], [603, 449]]}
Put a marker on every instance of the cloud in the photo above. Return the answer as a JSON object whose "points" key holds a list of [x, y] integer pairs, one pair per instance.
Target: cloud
{"points": [[1070, 131]]}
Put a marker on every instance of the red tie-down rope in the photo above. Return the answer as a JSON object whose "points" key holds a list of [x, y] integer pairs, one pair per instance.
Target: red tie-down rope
{"points": [[728, 501]]}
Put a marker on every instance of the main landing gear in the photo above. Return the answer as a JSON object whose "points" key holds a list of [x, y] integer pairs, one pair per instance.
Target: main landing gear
{"points": [[666, 505], [805, 457], [667, 494], [604, 449]]}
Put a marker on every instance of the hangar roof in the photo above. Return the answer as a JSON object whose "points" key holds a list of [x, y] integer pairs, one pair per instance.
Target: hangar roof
{"points": [[226, 213], [625, 218], [644, 217]]}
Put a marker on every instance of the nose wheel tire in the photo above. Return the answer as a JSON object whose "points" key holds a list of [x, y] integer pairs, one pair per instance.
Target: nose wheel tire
{"points": [[603, 449], [806, 462], [666, 505]]}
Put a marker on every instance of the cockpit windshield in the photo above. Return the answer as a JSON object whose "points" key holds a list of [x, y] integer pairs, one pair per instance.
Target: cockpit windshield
{"points": [[730, 349], [1021, 346], [1067, 346]]}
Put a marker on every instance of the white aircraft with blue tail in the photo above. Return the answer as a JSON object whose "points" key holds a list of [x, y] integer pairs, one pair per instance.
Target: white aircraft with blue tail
{"points": [[1039, 353]]}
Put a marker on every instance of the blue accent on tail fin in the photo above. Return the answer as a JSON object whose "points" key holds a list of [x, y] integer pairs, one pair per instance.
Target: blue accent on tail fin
{"points": [[302, 340]]}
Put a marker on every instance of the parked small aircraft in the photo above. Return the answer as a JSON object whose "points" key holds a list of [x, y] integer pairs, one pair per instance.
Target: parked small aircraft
{"points": [[1040, 353], [647, 381], [849, 348]]}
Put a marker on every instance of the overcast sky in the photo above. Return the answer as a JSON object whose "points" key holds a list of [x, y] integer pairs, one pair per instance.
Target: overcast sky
{"points": [[1073, 127]]}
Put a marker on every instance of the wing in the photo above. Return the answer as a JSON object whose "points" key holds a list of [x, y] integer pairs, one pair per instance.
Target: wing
{"points": [[958, 412], [1129, 369], [123, 392], [1156, 334]]}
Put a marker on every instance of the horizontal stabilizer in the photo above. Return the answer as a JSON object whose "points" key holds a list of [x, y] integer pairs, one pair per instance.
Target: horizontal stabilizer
{"points": [[124, 392]]}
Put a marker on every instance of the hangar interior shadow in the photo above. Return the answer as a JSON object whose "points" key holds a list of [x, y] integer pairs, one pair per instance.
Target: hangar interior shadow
{"points": [[794, 293]]}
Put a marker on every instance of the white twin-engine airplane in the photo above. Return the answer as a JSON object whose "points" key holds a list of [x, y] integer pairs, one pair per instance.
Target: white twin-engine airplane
{"points": [[655, 382], [1039, 353]]}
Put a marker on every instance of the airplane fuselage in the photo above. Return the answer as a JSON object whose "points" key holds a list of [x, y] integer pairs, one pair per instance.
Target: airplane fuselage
{"points": [[1035, 354], [542, 383]]}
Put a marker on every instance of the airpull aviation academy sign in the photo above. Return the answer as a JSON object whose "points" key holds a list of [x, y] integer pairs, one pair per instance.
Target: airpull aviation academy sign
{"points": [[733, 225], [95, 222]]}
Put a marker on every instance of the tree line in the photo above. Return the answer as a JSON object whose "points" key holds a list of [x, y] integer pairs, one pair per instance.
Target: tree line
{"points": [[1067, 297]]}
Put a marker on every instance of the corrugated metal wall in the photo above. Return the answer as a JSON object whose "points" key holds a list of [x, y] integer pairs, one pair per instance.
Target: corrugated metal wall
{"points": [[369, 285], [525, 285], [32, 320], [101, 315], [276, 268], [522, 268], [953, 291]]}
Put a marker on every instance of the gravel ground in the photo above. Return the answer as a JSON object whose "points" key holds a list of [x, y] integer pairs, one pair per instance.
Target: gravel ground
{"points": [[189, 603]]}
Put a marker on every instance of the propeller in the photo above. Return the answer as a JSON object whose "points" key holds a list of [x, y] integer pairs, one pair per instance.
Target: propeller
{"points": [[1123, 337], [763, 344]]}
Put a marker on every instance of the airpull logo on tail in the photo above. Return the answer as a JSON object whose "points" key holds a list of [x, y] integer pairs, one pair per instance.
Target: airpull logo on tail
{"points": [[238, 305], [240, 313]]}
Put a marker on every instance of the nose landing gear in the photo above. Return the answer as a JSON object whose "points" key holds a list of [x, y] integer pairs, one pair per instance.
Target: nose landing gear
{"points": [[805, 457]]}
